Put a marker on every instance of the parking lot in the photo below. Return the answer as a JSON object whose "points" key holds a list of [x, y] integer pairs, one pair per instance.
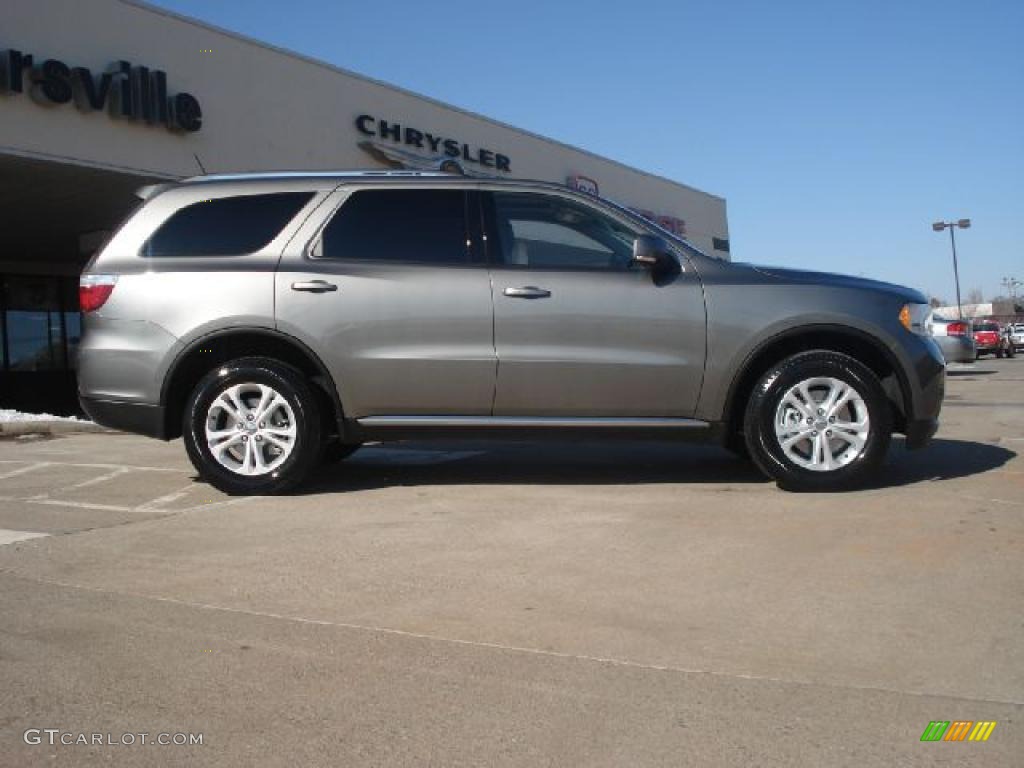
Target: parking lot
{"points": [[617, 604]]}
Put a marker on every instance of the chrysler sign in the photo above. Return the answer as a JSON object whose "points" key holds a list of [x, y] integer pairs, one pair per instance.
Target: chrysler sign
{"points": [[407, 147]]}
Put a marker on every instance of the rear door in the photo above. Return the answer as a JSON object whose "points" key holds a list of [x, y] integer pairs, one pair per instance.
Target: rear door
{"points": [[579, 330], [393, 294]]}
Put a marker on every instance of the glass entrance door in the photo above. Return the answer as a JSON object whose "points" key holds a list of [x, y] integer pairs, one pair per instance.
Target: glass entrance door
{"points": [[40, 330]]}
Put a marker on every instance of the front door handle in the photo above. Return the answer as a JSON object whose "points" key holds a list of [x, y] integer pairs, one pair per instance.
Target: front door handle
{"points": [[314, 286], [527, 292]]}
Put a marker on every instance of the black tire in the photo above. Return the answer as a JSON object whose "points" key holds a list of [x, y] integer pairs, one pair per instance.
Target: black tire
{"points": [[999, 354], [335, 451], [759, 421], [292, 386]]}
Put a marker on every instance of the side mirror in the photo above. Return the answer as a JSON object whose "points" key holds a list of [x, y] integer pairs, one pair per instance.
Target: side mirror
{"points": [[654, 254]]}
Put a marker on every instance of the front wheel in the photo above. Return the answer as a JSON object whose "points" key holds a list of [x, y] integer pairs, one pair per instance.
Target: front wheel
{"points": [[252, 426], [818, 421]]}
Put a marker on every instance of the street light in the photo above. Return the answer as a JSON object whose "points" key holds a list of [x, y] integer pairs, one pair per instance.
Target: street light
{"points": [[938, 226], [1011, 284]]}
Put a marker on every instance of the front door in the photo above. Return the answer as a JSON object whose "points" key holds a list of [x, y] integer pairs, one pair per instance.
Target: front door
{"points": [[579, 330], [397, 302]]}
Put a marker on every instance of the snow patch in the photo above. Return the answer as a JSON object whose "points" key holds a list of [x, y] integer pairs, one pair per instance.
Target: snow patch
{"points": [[8, 416]]}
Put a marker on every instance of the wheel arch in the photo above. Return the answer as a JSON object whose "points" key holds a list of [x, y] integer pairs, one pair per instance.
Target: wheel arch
{"points": [[863, 347], [204, 353]]}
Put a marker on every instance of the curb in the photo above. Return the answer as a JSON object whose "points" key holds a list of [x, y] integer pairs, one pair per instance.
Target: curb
{"points": [[17, 428]]}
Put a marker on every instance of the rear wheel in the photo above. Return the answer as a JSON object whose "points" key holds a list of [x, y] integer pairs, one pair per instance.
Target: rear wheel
{"points": [[818, 421], [252, 426]]}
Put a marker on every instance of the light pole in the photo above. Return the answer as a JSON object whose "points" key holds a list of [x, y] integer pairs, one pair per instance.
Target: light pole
{"points": [[1011, 284], [938, 226]]}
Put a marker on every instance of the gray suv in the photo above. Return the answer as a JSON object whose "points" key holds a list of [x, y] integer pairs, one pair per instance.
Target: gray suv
{"points": [[278, 320]]}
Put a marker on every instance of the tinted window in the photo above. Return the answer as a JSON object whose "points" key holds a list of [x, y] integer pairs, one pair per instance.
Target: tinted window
{"points": [[226, 226], [548, 232], [986, 327], [417, 225]]}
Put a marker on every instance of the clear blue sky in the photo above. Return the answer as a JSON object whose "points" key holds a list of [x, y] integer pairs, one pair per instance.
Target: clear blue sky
{"points": [[837, 132]]}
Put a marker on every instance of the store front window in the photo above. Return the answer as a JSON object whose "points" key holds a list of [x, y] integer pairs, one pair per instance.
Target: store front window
{"points": [[72, 335], [35, 340], [40, 327]]}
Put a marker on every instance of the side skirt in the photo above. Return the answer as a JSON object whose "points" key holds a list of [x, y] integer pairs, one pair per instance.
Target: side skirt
{"points": [[529, 428]]}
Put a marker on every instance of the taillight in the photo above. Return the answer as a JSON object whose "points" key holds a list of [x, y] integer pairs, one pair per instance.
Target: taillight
{"points": [[94, 290], [956, 329]]}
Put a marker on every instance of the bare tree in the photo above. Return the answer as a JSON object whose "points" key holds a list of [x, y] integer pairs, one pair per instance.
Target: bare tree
{"points": [[975, 296]]}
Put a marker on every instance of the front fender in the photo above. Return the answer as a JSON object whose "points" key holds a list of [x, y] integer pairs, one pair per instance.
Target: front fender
{"points": [[744, 320]]}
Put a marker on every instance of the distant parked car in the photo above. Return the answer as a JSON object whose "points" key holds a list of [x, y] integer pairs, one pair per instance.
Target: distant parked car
{"points": [[954, 339], [986, 339], [1017, 335], [1006, 347]]}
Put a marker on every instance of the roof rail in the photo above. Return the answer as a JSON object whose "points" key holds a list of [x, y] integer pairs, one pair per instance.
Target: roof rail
{"points": [[152, 190], [258, 175]]}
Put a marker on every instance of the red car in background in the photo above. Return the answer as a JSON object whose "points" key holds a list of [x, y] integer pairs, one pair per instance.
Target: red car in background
{"points": [[986, 338]]}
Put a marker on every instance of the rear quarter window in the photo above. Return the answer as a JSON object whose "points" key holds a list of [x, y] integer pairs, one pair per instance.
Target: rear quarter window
{"points": [[225, 226]]}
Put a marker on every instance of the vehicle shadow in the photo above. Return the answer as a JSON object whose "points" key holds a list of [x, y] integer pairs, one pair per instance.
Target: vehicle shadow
{"points": [[942, 460], [960, 372], [531, 463], [613, 463]]}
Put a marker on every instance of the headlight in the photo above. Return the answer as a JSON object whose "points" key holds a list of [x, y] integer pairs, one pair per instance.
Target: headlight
{"points": [[915, 318]]}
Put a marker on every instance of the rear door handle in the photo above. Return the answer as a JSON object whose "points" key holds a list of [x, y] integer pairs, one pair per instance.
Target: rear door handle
{"points": [[314, 286], [527, 292]]}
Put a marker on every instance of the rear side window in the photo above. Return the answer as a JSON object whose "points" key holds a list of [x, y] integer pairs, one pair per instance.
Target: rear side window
{"points": [[225, 226], [426, 226]]}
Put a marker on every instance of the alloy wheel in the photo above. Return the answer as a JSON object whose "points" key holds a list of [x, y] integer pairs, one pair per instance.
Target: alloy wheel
{"points": [[250, 429], [822, 424]]}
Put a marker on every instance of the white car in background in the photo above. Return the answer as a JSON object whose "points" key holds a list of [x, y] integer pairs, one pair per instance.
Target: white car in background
{"points": [[1017, 335]]}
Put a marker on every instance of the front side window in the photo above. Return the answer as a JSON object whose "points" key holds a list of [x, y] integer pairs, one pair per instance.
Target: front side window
{"points": [[225, 226], [426, 226], [550, 232]]}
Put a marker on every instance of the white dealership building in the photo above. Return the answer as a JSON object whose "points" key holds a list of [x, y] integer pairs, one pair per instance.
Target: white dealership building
{"points": [[101, 97]]}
